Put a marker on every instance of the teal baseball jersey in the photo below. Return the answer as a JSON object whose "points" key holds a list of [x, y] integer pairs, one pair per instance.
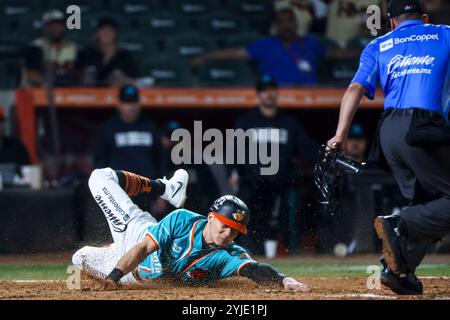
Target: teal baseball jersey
{"points": [[181, 254]]}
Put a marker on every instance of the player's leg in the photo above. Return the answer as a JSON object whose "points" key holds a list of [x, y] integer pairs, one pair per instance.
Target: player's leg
{"points": [[112, 190], [116, 205], [99, 261]]}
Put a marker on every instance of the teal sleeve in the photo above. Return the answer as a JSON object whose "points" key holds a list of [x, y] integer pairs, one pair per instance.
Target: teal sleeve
{"points": [[163, 232], [233, 261]]}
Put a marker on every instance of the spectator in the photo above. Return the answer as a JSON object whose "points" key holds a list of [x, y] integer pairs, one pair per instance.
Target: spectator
{"points": [[105, 63], [51, 57], [267, 195], [303, 11], [289, 58], [346, 19], [129, 141], [12, 151], [356, 145]]}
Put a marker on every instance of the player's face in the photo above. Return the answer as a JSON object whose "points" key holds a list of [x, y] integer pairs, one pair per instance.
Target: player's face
{"points": [[268, 98], [221, 234], [129, 112]]}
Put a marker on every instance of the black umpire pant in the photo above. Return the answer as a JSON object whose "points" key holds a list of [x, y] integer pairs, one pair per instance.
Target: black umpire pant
{"points": [[418, 170]]}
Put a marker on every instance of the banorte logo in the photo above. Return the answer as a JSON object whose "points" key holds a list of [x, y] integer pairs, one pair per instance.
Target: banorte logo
{"points": [[400, 61]]}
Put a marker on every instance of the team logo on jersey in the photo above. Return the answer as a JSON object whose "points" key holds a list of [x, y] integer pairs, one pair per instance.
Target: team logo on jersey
{"points": [[386, 45], [400, 61], [198, 274], [238, 216]]}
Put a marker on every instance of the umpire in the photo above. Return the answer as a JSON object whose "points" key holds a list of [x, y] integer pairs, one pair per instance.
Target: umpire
{"points": [[267, 195], [413, 139]]}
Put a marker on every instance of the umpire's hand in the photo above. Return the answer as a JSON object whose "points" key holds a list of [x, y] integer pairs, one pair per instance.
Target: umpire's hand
{"points": [[337, 142], [293, 285]]}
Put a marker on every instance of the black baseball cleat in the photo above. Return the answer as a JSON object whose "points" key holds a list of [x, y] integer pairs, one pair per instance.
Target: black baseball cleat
{"points": [[392, 231], [408, 284]]}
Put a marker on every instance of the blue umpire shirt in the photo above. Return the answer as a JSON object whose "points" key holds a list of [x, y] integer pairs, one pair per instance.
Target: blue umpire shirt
{"points": [[412, 63]]}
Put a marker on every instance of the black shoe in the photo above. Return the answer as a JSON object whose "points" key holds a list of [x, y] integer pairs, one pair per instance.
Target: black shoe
{"points": [[409, 284], [392, 231]]}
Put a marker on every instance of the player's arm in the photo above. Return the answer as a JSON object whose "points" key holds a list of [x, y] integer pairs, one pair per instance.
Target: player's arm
{"points": [[363, 83], [228, 53], [263, 273], [129, 262], [349, 105]]}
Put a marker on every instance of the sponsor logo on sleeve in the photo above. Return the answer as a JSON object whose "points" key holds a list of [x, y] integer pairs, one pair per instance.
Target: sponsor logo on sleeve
{"points": [[386, 45]]}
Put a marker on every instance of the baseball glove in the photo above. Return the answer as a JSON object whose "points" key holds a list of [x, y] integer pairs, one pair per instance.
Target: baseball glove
{"points": [[327, 173]]}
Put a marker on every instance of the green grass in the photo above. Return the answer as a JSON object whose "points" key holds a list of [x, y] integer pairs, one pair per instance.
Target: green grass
{"points": [[347, 269], [58, 271], [33, 272]]}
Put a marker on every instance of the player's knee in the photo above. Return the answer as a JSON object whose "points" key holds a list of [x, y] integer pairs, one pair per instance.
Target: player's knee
{"points": [[77, 258], [99, 175]]}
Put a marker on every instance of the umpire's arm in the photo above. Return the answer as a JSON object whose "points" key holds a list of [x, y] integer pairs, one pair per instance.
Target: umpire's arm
{"points": [[129, 262], [349, 105], [263, 273]]}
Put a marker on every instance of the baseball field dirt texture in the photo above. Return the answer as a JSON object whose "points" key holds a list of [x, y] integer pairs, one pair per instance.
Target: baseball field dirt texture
{"points": [[46, 277]]}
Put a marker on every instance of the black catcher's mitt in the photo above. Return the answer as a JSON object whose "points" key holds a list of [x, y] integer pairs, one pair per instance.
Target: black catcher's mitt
{"points": [[327, 173]]}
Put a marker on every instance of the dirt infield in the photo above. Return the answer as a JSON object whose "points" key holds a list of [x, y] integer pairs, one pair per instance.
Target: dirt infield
{"points": [[230, 289], [323, 287]]}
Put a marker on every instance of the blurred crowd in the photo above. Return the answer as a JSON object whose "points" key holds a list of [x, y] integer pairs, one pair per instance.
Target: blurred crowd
{"points": [[187, 42]]}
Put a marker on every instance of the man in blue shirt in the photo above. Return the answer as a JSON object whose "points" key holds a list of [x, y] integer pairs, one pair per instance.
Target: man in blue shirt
{"points": [[290, 59], [184, 246], [413, 140]]}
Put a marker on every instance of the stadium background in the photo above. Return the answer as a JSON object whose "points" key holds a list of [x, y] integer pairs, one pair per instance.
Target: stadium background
{"points": [[61, 216]]}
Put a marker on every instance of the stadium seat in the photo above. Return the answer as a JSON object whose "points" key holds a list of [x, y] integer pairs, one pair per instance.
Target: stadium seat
{"points": [[163, 23], [167, 73], [10, 73], [24, 27], [81, 38], [241, 40], [141, 47], [193, 7], [20, 7], [91, 19], [337, 71], [258, 12], [329, 43], [11, 47], [86, 6], [134, 7], [225, 73], [223, 23], [187, 46]]}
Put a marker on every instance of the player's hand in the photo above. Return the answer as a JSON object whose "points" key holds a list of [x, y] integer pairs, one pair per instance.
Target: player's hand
{"points": [[108, 285], [337, 142], [293, 285]]}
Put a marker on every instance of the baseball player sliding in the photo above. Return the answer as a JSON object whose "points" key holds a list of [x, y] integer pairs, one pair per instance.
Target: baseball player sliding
{"points": [[184, 246]]}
